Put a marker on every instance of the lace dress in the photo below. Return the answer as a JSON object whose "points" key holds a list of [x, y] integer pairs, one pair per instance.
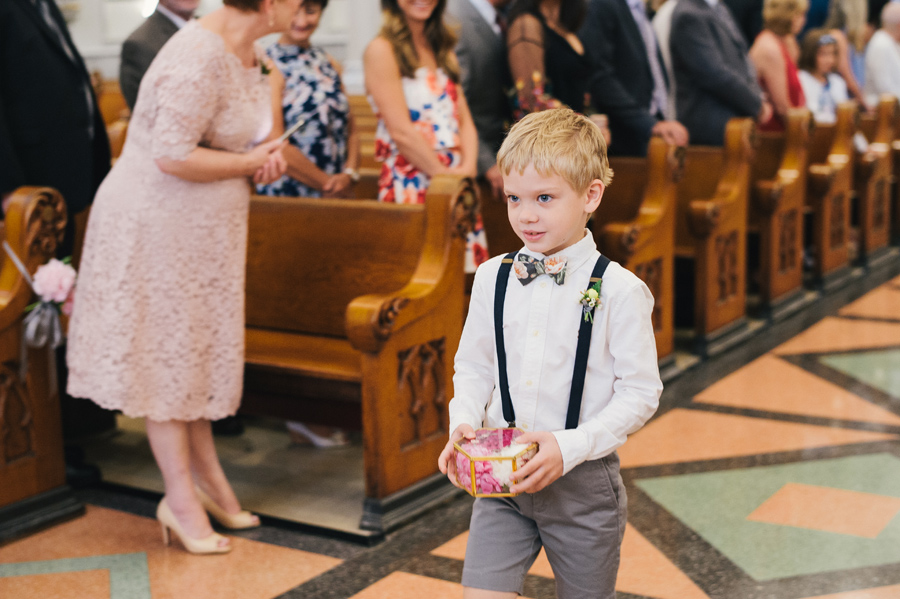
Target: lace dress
{"points": [[314, 95], [158, 323], [431, 97]]}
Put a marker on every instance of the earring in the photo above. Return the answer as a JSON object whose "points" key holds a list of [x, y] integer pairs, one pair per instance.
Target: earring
{"points": [[271, 20]]}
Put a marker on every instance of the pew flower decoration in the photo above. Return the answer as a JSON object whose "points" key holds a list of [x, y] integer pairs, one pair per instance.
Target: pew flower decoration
{"points": [[590, 299], [535, 100], [54, 282]]}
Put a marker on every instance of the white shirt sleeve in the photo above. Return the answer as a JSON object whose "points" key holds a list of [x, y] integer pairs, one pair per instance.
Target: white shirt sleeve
{"points": [[637, 386]]}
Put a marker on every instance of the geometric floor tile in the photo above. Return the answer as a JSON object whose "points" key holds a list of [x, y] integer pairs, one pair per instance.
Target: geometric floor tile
{"points": [[879, 369], [127, 577], [402, 585], [91, 584], [832, 510], [252, 570], [841, 334], [692, 435], [883, 302], [891, 592], [645, 571], [773, 385], [716, 505]]}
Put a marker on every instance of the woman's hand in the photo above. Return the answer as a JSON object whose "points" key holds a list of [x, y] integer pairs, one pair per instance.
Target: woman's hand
{"points": [[338, 186], [267, 162]]}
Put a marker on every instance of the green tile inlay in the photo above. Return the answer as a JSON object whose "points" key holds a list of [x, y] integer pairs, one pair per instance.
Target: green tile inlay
{"points": [[129, 577], [716, 505], [879, 369]]}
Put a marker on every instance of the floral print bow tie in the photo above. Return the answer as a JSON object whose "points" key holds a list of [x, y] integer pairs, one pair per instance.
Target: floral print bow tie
{"points": [[528, 268]]}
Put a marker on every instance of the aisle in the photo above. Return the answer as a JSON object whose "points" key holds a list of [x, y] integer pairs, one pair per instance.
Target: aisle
{"points": [[780, 480]]}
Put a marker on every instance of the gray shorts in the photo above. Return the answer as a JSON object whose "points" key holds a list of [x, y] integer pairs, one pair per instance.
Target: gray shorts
{"points": [[579, 520]]}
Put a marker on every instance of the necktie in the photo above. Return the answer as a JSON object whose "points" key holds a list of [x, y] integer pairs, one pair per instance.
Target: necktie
{"points": [[660, 94], [500, 21], [528, 268]]}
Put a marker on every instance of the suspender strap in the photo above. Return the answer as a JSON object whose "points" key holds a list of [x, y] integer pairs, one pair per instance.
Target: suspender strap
{"points": [[581, 352], [499, 299]]}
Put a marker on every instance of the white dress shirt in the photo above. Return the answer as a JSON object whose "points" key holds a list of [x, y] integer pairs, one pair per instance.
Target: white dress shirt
{"points": [[882, 67], [540, 327], [489, 12], [822, 99]]}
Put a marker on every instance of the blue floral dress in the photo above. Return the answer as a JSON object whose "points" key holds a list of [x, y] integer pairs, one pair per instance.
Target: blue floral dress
{"points": [[432, 100], [313, 94]]}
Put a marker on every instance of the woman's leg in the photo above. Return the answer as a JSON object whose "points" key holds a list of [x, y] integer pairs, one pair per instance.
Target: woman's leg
{"points": [[206, 466], [170, 444]]}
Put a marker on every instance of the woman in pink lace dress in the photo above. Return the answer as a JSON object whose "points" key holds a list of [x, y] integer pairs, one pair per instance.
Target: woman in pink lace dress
{"points": [[158, 325]]}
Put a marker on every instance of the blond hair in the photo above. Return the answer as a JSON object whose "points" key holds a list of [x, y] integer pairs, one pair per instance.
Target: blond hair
{"points": [[558, 141], [778, 15]]}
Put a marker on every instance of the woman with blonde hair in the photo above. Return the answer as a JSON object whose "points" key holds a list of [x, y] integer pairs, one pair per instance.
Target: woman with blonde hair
{"points": [[424, 127], [775, 53], [847, 23]]}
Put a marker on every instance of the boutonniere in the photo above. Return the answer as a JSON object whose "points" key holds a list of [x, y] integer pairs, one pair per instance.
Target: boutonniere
{"points": [[590, 299]]}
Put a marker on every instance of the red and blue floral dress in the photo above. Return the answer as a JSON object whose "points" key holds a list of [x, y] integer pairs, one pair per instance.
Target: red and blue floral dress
{"points": [[432, 100]]}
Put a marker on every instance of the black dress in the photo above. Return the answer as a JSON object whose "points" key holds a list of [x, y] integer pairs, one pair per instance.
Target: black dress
{"points": [[567, 71]]}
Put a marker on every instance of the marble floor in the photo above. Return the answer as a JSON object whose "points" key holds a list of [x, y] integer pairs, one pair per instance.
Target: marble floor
{"points": [[771, 472]]}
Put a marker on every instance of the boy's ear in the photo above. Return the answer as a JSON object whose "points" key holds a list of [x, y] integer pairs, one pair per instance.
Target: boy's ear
{"points": [[594, 195]]}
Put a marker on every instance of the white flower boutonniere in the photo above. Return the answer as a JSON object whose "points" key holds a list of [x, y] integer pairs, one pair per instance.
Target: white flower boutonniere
{"points": [[590, 299]]}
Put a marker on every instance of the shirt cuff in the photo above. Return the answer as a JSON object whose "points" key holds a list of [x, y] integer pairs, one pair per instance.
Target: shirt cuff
{"points": [[574, 447]]}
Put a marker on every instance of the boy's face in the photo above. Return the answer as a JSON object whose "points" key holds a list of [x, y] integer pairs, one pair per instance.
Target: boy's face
{"points": [[545, 212]]}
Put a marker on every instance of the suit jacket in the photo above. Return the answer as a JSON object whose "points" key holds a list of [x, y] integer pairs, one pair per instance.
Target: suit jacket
{"points": [[485, 79], [44, 117], [713, 75], [139, 50], [622, 84]]}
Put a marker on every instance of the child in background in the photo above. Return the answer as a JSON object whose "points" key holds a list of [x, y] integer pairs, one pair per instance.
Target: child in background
{"points": [[824, 89], [555, 170]]}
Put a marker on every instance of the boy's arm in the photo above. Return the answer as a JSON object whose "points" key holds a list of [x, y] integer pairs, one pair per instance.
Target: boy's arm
{"points": [[473, 378], [637, 387]]}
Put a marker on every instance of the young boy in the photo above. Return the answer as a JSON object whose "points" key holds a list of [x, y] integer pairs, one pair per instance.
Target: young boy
{"points": [[554, 170]]}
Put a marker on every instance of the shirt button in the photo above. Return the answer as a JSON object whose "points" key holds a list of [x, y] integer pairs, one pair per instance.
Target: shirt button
{"points": [[527, 383], [543, 285], [536, 333], [525, 427]]}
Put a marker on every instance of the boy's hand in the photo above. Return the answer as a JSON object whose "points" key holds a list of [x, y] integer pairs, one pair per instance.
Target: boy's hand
{"points": [[544, 468], [447, 461]]}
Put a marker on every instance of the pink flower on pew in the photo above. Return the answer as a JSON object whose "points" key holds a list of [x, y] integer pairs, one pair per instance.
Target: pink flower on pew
{"points": [[54, 281], [69, 304]]}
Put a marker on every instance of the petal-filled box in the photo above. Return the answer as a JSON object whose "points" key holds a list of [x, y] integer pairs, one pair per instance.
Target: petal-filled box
{"points": [[485, 465]]}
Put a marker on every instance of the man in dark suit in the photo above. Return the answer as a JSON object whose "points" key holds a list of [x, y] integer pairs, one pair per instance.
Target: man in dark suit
{"points": [[485, 77], [51, 134], [713, 75], [628, 84], [141, 47]]}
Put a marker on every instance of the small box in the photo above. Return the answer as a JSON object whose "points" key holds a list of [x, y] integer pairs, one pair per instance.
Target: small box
{"points": [[486, 464]]}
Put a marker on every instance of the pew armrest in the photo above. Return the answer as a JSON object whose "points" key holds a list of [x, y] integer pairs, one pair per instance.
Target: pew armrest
{"points": [[451, 208]]}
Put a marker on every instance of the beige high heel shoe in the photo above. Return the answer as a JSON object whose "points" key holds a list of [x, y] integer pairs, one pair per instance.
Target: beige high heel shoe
{"points": [[239, 521], [205, 546]]}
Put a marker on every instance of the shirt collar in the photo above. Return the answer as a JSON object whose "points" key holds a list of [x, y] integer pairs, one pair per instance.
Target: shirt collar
{"points": [[179, 22], [486, 10], [712, 3], [576, 254]]}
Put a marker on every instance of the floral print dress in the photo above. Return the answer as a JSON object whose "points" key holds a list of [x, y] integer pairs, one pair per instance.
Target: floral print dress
{"points": [[432, 100], [314, 95]]}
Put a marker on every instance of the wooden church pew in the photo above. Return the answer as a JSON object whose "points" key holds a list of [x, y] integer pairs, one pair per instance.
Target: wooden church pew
{"points": [[710, 240], [354, 313], [33, 491], [635, 226], [874, 172], [777, 197], [829, 194]]}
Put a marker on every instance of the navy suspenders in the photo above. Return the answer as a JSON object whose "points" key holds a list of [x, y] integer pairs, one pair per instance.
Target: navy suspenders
{"points": [[581, 351]]}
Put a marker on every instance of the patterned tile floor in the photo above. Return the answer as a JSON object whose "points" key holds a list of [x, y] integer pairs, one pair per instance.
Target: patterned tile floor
{"points": [[770, 473]]}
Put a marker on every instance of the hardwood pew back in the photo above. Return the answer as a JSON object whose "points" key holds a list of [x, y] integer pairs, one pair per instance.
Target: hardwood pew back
{"points": [[829, 192], [778, 191], [354, 313], [635, 226], [710, 238], [873, 179]]}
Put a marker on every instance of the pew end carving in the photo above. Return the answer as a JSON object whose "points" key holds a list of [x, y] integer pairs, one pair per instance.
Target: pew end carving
{"points": [[710, 239], [354, 313], [872, 181], [635, 226]]}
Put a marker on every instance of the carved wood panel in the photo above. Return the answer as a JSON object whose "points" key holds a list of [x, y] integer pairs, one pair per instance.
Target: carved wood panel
{"points": [[728, 272], [16, 417], [879, 206], [787, 241], [837, 216], [651, 273], [421, 388]]}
